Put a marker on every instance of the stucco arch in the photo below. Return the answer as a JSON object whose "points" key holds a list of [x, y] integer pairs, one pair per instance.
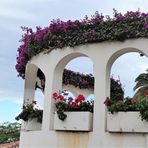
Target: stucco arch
{"points": [[30, 82], [115, 55], [121, 52], [57, 78], [59, 68]]}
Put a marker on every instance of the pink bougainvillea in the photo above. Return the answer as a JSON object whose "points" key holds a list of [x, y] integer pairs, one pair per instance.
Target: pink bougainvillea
{"points": [[98, 28]]}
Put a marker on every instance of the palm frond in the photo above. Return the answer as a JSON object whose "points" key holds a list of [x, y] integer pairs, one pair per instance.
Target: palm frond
{"points": [[141, 81]]}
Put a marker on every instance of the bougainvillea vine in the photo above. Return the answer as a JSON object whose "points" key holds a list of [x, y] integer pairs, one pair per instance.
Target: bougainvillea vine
{"points": [[98, 28]]}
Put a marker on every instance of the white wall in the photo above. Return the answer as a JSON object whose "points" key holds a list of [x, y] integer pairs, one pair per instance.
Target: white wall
{"points": [[103, 55]]}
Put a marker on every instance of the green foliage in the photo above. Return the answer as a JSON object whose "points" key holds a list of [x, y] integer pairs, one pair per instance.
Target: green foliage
{"points": [[85, 81], [129, 104], [80, 80], [143, 108], [138, 103], [142, 81], [9, 132], [29, 112], [62, 106], [125, 105], [117, 91]]}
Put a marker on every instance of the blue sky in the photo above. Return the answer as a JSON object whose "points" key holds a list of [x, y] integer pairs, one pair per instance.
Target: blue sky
{"points": [[32, 13]]}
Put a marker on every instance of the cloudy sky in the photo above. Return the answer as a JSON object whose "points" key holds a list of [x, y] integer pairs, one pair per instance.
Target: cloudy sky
{"points": [[32, 13]]}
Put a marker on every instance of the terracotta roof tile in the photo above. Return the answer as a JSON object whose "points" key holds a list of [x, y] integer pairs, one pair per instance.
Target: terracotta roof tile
{"points": [[10, 145]]}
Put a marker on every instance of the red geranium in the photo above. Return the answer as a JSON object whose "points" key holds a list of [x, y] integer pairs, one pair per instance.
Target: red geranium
{"points": [[60, 97], [80, 99], [70, 99], [55, 95], [145, 92], [74, 105], [65, 103]]}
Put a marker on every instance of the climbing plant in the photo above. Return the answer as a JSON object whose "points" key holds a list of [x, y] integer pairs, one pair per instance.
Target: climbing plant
{"points": [[98, 28]]}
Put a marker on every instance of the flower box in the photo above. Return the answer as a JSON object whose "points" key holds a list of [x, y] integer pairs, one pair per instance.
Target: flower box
{"points": [[31, 125], [126, 122], [75, 121]]}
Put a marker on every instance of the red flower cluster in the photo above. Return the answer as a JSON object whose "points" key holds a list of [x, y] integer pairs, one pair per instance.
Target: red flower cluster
{"points": [[80, 99], [143, 91], [62, 97], [57, 96], [70, 99], [63, 102], [74, 105]]}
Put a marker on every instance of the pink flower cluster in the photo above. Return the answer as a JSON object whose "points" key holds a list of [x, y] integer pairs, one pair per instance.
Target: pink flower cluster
{"points": [[25, 49], [80, 80], [71, 33], [129, 15]]}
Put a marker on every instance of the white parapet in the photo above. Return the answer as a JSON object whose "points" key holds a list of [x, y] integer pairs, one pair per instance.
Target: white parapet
{"points": [[126, 122], [75, 121], [31, 125]]}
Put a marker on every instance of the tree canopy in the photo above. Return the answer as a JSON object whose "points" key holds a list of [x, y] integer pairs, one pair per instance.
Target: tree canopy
{"points": [[9, 132]]}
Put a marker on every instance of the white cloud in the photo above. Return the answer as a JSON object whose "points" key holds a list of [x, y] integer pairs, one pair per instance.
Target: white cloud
{"points": [[15, 14], [11, 95], [4, 97]]}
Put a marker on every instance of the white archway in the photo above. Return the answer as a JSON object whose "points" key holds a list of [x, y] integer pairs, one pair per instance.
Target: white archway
{"points": [[103, 55], [57, 80], [113, 58]]}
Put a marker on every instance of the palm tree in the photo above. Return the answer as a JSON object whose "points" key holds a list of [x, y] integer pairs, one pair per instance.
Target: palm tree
{"points": [[142, 81]]}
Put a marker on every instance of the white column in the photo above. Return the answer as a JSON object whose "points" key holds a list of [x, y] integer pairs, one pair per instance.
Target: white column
{"points": [[53, 83], [100, 96], [30, 82], [99, 118], [48, 105]]}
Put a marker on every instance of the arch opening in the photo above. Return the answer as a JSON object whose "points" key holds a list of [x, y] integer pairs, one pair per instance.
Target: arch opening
{"points": [[127, 68], [33, 98], [71, 75], [125, 65]]}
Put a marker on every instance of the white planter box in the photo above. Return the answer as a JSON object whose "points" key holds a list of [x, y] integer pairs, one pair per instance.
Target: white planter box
{"points": [[75, 121], [126, 122], [31, 125]]}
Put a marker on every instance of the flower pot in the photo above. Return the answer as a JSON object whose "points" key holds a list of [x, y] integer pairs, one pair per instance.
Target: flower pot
{"points": [[126, 122], [75, 121], [31, 125]]}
